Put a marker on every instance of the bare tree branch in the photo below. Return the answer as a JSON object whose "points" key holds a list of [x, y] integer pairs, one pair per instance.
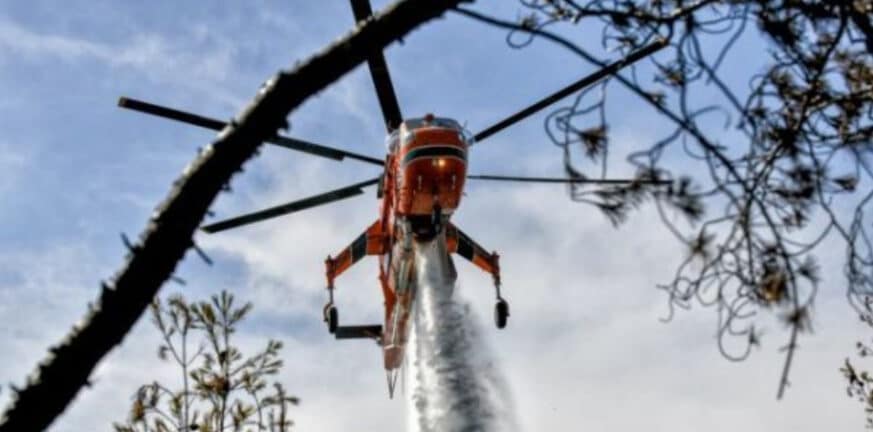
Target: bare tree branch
{"points": [[794, 172], [168, 235]]}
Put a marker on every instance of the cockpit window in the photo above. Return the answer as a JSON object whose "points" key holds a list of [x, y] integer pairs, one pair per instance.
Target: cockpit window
{"points": [[467, 136], [446, 123], [442, 122], [413, 123]]}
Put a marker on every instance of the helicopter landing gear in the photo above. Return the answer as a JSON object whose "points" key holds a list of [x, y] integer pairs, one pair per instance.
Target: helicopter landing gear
{"points": [[501, 310], [501, 313], [331, 314], [331, 317]]}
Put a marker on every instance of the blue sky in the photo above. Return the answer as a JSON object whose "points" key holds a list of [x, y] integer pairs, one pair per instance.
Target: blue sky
{"points": [[584, 349]]}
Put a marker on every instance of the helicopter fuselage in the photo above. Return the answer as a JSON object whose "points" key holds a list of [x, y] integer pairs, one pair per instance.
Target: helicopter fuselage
{"points": [[421, 187]]}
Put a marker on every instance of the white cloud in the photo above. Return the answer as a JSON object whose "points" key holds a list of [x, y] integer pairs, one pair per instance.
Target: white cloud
{"points": [[41, 295], [205, 69]]}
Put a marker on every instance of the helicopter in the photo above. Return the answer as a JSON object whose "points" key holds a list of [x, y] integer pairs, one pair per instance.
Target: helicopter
{"points": [[420, 187]]}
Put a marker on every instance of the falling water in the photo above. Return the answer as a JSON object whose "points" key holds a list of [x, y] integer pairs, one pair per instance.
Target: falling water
{"points": [[455, 384]]}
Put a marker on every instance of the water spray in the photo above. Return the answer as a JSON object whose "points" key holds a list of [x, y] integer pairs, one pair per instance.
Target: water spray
{"points": [[455, 383]]}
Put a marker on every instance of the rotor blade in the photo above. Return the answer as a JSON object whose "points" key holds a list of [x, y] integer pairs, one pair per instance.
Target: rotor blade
{"points": [[313, 201], [570, 89], [379, 73], [567, 180], [210, 123]]}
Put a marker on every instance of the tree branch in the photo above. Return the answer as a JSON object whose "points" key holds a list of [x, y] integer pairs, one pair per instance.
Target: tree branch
{"points": [[169, 233]]}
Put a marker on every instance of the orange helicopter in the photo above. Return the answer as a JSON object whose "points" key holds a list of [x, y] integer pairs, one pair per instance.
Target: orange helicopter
{"points": [[425, 171]]}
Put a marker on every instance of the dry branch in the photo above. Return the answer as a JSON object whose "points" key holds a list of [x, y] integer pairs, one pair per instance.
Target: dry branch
{"points": [[169, 232], [760, 197]]}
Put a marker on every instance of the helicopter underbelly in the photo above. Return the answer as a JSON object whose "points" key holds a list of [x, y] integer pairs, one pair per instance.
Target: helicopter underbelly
{"points": [[406, 289], [403, 282], [397, 329]]}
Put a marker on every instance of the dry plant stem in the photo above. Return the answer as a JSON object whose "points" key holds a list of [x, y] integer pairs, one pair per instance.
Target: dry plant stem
{"points": [[169, 233]]}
